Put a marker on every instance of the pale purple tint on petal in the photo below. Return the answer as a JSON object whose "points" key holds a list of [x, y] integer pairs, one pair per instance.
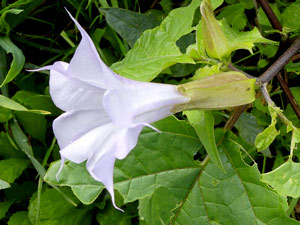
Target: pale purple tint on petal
{"points": [[71, 125], [93, 144], [87, 66], [141, 102], [127, 141], [72, 94], [102, 170]]}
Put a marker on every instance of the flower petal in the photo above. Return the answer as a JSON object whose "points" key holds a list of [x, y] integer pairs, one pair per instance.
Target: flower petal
{"points": [[87, 66], [127, 141], [94, 143], [102, 170], [72, 125], [72, 94], [141, 102]]}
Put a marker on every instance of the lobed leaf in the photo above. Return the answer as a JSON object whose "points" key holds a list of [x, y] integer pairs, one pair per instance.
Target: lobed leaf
{"points": [[231, 197], [156, 49]]}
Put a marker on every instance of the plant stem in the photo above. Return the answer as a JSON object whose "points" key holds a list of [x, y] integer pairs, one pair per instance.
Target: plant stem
{"points": [[280, 62], [270, 14], [293, 203], [235, 116], [289, 95]]}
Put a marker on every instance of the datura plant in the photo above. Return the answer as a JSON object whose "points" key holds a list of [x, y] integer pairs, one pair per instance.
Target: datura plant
{"points": [[105, 112], [159, 115]]}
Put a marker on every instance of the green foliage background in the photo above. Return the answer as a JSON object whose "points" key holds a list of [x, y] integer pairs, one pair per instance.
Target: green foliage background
{"points": [[252, 177]]}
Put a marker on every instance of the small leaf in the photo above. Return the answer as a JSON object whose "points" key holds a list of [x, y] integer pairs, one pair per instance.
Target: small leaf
{"points": [[130, 25], [11, 169], [4, 184], [19, 218], [203, 122], [4, 207], [285, 179], [266, 137], [17, 62], [10, 104], [22, 142]]}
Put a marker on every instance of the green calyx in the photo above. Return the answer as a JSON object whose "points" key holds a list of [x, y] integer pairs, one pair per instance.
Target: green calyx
{"points": [[218, 91]]}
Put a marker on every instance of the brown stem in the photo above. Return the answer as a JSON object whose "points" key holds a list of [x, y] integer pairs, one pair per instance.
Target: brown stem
{"points": [[280, 62], [289, 95], [270, 14], [235, 116]]}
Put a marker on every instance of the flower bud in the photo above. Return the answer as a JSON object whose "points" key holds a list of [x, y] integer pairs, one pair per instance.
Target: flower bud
{"points": [[214, 40]]}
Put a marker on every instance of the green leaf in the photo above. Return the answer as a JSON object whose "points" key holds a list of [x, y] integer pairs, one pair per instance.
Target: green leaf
{"points": [[37, 101], [19, 218], [4, 26], [111, 216], [75, 176], [248, 127], [11, 169], [266, 137], [290, 15], [4, 184], [285, 179], [156, 209], [35, 125], [156, 158], [243, 40], [156, 49], [7, 150], [55, 210], [10, 104], [203, 122], [234, 15], [130, 25], [4, 206], [22, 142], [231, 197], [17, 62]]}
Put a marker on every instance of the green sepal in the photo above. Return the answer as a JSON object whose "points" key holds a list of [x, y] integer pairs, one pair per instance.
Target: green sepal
{"points": [[218, 91]]}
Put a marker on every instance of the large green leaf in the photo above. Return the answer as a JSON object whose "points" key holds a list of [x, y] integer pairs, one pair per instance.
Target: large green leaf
{"points": [[55, 210], [156, 49], [11, 169], [235, 197], [157, 158], [130, 25], [18, 59], [285, 179], [203, 122], [77, 177]]}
